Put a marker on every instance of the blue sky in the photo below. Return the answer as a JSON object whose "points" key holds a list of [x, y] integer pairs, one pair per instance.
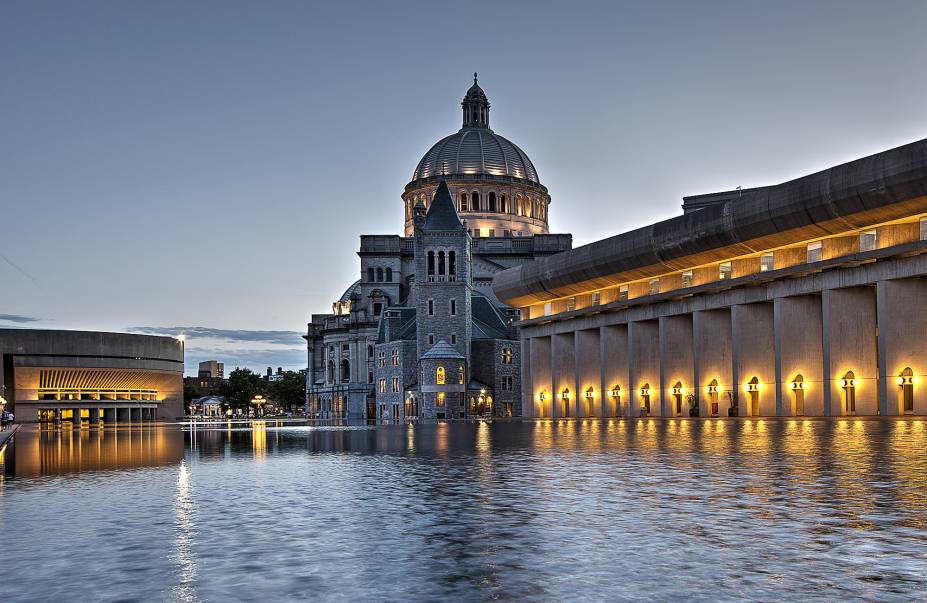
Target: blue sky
{"points": [[207, 167]]}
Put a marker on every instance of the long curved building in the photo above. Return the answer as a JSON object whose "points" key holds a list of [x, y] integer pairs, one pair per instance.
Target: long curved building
{"points": [[88, 376], [803, 298]]}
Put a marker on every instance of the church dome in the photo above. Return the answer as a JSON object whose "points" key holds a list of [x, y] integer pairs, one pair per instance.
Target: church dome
{"points": [[493, 186], [476, 149]]}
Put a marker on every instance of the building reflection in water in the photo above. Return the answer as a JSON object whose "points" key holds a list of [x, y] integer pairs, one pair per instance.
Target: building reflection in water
{"points": [[40, 451], [486, 509]]}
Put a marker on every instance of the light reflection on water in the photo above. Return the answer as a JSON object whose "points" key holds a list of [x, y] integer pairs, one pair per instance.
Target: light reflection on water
{"points": [[546, 510]]}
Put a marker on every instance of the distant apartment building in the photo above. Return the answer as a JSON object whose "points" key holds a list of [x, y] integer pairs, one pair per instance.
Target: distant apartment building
{"points": [[212, 368], [210, 374]]}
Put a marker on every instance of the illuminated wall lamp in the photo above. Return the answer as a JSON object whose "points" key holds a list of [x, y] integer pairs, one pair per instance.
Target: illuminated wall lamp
{"points": [[753, 387], [906, 381], [798, 385], [566, 394], [713, 389], [678, 391], [845, 383], [616, 392], [590, 393], [542, 396], [645, 391]]}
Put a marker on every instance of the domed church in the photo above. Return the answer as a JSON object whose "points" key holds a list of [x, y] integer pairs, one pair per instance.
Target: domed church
{"points": [[420, 334]]}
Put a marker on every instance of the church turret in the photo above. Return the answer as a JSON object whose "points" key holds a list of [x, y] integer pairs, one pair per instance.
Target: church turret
{"points": [[419, 213], [443, 304], [475, 107]]}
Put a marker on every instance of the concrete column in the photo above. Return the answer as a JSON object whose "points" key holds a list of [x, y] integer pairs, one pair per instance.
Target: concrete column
{"points": [[524, 404], [849, 322], [799, 351], [644, 355], [613, 346], [753, 355], [310, 373], [588, 373], [676, 363], [902, 316], [94, 416], [109, 415], [712, 357], [563, 364], [541, 377]]}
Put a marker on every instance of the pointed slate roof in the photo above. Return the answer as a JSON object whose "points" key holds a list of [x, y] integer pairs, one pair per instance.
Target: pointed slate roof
{"points": [[442, 349], [442, 215]]}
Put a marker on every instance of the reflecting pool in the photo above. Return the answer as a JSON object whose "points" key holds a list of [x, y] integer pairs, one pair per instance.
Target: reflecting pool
{"points": [[548, 510]]}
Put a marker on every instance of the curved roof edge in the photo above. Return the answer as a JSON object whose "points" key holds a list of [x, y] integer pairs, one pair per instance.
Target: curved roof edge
{"points": [[475, 179], [881, 187]]}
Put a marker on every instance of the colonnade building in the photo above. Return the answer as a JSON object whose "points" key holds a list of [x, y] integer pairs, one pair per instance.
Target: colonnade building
{"points": [[803, 298]]}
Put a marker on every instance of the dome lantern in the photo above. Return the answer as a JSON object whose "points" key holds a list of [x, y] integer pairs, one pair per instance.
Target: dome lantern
{"points": [[475, 107]]}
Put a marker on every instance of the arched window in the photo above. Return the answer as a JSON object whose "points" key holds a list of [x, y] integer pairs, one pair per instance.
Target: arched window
{"points": [[518, 206], [389, 275], [345, 370], [440, 263], [330, 377], [369, 352], [504, 204], [475, 201], [528, 211], [492, 201], [439, 375], [370, 275], [452, 263], [431, 263], [379, 275], [463, 202]]}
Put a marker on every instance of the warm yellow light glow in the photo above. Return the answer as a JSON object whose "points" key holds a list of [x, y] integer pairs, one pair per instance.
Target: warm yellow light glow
{"points": [[645, 391], [542, 396], [566, 394], [590, 393], [616, 391]]}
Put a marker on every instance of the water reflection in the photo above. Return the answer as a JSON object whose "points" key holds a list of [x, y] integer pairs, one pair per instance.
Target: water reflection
{"points": [[40, 451], [546, 510]]}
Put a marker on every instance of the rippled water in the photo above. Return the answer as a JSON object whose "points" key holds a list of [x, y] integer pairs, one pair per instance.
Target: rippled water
{"points": [[615, 510]]}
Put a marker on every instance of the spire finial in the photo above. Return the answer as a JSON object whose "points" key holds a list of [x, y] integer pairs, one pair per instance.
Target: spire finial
{"points": [[474, 77]]}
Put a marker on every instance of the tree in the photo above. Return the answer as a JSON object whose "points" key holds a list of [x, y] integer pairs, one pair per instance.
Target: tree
{"points": [[189, 393], [289, 390], [241, 386]]}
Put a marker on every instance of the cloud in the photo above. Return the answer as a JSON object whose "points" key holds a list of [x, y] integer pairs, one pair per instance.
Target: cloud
{"points": [[286, 338], [256, 359], [17, 318]]}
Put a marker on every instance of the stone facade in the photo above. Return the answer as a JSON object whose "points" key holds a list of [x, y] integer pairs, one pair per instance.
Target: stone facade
{"points": [[373, 356]]}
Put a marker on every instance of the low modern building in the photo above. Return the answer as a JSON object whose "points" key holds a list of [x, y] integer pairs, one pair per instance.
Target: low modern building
{"points": [[803, 298], [90, 376]]}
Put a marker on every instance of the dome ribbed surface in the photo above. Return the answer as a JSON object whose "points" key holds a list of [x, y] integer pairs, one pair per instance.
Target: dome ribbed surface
{"points": [[476, 151]]}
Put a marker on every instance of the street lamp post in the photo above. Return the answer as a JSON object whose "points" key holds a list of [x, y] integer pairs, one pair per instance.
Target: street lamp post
{"points": [[258, 402]]}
